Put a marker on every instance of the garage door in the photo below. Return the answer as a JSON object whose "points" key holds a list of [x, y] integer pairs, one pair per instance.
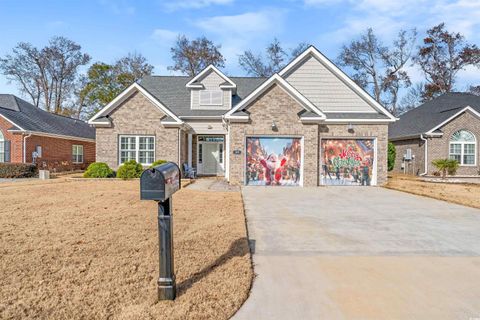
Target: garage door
{"points": [[347, 162], [273, 161]]}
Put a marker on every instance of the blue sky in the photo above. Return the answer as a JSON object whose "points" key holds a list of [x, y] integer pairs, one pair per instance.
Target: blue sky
{"points": [[108, 29]]}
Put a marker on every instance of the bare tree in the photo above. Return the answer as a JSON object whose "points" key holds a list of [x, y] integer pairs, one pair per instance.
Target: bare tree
{"points": [[364, 56], [441, 57], [63, 59], [474, 90], [378, 68], [395, 76], [276, 58], [48, 75], [22, 67], [132, 68], [192, 56], [412, 99]]}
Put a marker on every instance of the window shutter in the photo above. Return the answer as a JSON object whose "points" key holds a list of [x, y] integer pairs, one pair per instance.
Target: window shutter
{"points": [[7, 150]]}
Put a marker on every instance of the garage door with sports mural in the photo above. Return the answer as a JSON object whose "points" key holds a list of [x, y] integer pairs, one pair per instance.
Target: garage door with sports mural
{"points": [[348, 162], [273, 161]]}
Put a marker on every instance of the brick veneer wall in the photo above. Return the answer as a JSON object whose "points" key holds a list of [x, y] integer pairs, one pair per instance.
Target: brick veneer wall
{"points": [[438, 148], [136, 116], [276, 105], [16, 141], [57, 153], [416, 166]]}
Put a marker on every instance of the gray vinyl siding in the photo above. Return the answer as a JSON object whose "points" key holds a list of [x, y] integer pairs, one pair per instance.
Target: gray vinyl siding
{"points": [[324, 89], [211, 81]]}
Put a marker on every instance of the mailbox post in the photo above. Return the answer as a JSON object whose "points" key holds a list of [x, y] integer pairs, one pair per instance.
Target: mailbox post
{"points": [[159, 184]]}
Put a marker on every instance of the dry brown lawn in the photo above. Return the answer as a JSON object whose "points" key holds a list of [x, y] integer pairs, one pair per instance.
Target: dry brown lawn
{"points": [[89, 250], [459, 193]]}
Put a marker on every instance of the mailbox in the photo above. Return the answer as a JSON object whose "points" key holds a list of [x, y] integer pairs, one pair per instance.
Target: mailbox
{"points": [[160, 183]]}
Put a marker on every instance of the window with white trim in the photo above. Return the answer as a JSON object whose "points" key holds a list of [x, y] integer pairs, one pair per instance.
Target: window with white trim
{"points": [[138, 148], [463, 147], [77, 153], [211, 97]]}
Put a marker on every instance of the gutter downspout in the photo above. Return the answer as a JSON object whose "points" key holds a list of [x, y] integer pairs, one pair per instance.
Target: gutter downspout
{"points": [[426, 155], [25, 147], [226, 152], [180, 165]]}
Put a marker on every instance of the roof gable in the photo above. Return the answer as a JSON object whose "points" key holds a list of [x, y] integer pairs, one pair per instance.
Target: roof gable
{"points": [[428, 116], [98, 118], [275, 79], [195, 82], [326, 86], [456, 115]]}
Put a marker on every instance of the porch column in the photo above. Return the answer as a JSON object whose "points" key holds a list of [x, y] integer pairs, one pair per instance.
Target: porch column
{"points": [[190, 150]]}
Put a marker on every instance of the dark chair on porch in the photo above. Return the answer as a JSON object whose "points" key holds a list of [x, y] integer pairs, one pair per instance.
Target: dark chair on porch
{"points": [[189, 172]]}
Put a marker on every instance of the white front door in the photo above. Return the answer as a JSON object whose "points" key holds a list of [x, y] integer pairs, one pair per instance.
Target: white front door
{"points": [[210, 158], [210, 154]]}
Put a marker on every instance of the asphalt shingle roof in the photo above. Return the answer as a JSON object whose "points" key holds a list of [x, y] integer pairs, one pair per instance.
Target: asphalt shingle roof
{"points": [[32, 118], [432, 113], [171, 91]]}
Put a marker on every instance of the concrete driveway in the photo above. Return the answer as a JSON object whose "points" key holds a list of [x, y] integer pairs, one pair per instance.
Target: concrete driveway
{"points": [[361, 253]]}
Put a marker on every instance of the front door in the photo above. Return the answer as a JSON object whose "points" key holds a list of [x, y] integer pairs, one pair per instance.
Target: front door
{"points": [[210, 158], [210, 155]]}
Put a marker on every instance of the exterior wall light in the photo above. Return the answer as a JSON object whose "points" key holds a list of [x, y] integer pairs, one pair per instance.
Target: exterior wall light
{"points": [[350, 127], [274, 126]]}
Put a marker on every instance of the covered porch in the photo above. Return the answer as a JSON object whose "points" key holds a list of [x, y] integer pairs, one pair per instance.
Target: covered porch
{"points": [[206, 148]]}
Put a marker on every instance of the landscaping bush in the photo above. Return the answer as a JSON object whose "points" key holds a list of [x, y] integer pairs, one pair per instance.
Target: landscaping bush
{"points": [[99, 170], [129, 170], [392, 152], [446, 165], [158, 162], [17, 170]]}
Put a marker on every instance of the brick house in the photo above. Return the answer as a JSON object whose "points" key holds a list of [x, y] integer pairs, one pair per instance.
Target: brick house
{"points": [[29, 134], [445, 127], [308, 125]]}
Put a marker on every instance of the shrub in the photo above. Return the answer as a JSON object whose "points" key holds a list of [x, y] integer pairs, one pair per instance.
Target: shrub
{"points": [[158, 162], [129, 170], [99, 170], [17, 170], [392, 152], [446, 165]]}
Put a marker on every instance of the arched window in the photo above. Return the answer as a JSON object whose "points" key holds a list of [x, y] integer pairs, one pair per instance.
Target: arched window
{"points": [[2, 147], [463, 148]]}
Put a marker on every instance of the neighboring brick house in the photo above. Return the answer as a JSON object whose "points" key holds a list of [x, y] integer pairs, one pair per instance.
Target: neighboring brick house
{"points": [[308, 125], [56, 142], [445, 127]]}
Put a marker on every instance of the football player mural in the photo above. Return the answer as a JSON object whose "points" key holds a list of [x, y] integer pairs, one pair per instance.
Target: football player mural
{"points": [[273, 161], [347, 162]]}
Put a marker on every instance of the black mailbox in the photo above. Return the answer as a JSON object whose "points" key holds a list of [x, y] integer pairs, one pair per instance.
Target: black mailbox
{"points": [[160, 182]]}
